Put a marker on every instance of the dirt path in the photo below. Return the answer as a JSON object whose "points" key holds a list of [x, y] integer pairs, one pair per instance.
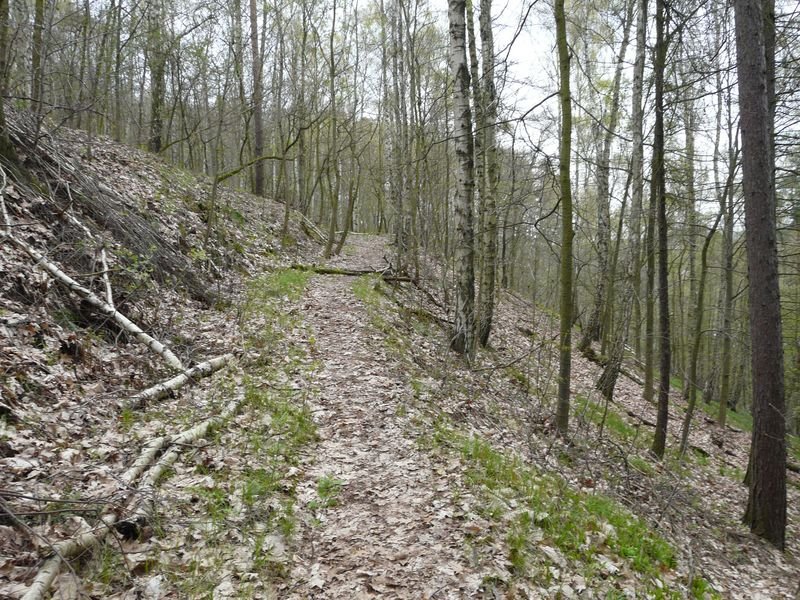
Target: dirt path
{"points": [[390, 533]]}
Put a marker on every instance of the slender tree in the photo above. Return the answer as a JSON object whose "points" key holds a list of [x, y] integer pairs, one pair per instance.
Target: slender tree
{"points": [[637, 183], [491, 175], [157, 61], [7, 151], [463, 334], [565, 152], [594, 328], [258, 102], [659, 195]]}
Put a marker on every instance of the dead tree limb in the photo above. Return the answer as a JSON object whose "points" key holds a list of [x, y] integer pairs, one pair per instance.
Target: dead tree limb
{"points": [[86, 541], [322, 270], [641, 419], [310, 229], [98, 303], [165, 388], [73, 547]]}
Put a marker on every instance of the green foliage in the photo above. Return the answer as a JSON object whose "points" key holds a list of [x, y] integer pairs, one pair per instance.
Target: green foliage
{"points": [[287, 283], [642, 465], [701, 589], [127, 418], [581, 525], [614, 422], [369, 290], [328, 489], [216, 502], [366, 288]]}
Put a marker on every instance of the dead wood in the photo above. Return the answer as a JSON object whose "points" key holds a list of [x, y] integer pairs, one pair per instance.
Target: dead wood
{"points": [[590, 354], [165, 388], [109, 208], [641, 419], [97, 302], [143, 510], [140, 511], [322, 270], [310, 229], [90, 539]]}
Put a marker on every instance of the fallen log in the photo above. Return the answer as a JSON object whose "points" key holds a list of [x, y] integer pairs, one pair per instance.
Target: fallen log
{"points": [[144, 509], [322, 270], [165, 388], [641, 419]]}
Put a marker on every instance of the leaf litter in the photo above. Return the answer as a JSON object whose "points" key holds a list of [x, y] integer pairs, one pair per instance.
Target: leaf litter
{"points": [[363, 508]]}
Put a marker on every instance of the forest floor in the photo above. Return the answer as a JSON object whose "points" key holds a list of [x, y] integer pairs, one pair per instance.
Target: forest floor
{"points": [[346, 452]]}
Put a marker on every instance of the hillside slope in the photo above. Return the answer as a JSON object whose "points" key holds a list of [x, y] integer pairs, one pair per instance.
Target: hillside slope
{"points": [[341, 451]]}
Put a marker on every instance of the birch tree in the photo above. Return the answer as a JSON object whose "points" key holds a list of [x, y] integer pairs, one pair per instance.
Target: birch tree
{"points": [[491, 175], [462, 340]]}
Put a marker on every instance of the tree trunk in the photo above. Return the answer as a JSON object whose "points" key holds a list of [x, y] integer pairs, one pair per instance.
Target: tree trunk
{"points": [[691, 379], [660, 439], [37, 56], [565, 153], [7, 150], [258, 102], [462, 341], [637, 118], [690, 327], [766, 505], [592, 331], [727, 206], [157, 60], [492, 175]]}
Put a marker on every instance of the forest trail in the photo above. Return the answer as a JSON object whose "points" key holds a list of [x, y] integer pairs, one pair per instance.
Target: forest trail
{"points": [[389, 530]]}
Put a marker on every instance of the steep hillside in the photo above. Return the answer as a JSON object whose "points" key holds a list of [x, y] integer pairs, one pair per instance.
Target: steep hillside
{"points": [[333, 447]]}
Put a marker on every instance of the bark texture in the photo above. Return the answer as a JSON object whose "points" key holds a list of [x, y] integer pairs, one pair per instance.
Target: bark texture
{"points": [[565, 151], [766, 506], [463, 335]]}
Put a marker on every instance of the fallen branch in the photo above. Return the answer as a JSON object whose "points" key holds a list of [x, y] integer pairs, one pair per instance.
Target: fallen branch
{"points": [[144, 509], [73, 547], [165, 388], [310, 229], [321, 270], [601, 360], [641, 419], [103, 260], [97, 302]]}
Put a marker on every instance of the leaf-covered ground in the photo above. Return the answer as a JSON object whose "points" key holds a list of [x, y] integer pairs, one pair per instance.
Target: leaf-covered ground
{"points": [[349, 454]]}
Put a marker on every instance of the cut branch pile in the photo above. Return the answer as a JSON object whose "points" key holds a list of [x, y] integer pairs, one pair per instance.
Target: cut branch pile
{"points": [[101, 305], [105, 206], [98, 303]]}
